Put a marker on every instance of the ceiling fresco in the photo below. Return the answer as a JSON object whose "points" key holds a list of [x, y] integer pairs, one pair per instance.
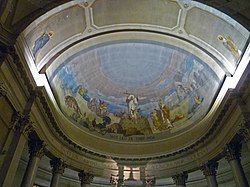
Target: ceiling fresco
{"points": [[133, 88]]}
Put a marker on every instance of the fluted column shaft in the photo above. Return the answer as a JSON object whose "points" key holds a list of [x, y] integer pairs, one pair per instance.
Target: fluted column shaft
{"points": [[36, 149], [209, 170], [233, 157], [57, 171]]}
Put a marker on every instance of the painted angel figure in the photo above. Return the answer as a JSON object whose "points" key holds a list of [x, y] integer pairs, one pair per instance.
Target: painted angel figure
{"points": [[230, 45], [132, 102], [41, 42]]}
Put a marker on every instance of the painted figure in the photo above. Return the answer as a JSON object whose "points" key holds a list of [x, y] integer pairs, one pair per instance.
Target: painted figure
{"points": [[132, 102], [156, 120], [72, 103], [165, 114], [230, 45], [103, 108], [41, 42]]}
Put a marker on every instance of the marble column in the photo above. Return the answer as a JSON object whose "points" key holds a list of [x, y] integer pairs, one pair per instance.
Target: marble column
{"points": [[232, 154], [210, 170], [14, 146], [85, 178], [120, 175], [180, 179], [57, 170], [36, 150]]}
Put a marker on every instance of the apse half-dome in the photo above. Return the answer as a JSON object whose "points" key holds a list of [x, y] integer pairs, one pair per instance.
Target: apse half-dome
{"points": [[138, 90]]}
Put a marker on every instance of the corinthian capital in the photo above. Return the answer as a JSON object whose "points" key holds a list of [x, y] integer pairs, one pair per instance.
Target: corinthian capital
{"points": [[21, 123], [85, 178], [181, 178], [149, 180], [233, 151], [36, 147], [57, 165], [210, 168], [3, 90]]}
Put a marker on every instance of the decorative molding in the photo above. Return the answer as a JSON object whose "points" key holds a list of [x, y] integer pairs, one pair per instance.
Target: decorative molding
{"points": [[36, 148], [57, 165], [3, 90], [244, 126], [181, 178], [85, 178], [210, 168], [23, 74], [184, 150], [7, 37], [244, 131], [28, 129]]}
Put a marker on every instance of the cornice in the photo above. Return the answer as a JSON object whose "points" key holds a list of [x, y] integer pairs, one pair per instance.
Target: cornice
{"points": [[78, 148]]}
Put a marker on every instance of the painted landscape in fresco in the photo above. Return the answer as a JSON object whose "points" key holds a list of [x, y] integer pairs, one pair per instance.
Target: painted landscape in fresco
{"points": [[133, 88]]}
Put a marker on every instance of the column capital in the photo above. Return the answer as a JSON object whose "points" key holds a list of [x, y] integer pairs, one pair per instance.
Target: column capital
{"points": [[114, 179], [233, 151], [21, 123], [3, 90], [57, 165], [85, 178], [210, 168], [181, 178], [244, 130], [149, 180], [244, 133], [36, 148], [244, 125]]}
